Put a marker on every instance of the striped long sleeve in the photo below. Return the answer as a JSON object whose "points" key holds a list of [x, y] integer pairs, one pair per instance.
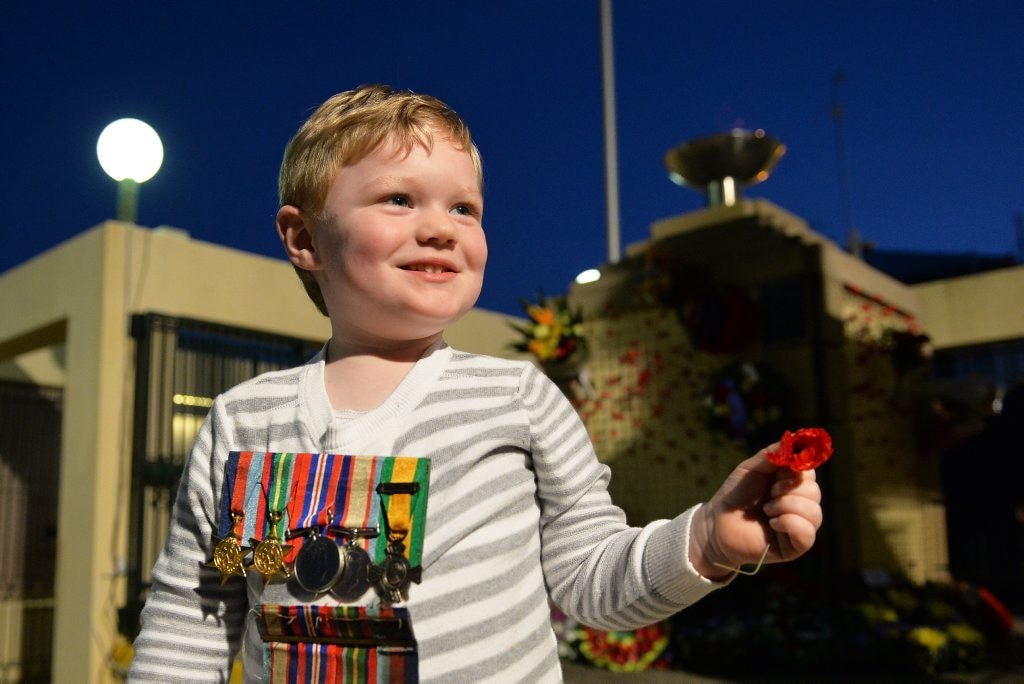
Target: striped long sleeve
{"points": [[518, 514]]}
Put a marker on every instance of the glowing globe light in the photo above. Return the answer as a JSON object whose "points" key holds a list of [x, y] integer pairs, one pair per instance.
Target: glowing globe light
{"points": [[129, 148], [131, 153], [590, 275]]}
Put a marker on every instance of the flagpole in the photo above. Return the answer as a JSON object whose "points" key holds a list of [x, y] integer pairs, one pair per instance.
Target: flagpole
{"points": [[611, 162]]}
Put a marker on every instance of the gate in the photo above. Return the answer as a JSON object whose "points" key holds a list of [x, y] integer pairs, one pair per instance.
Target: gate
{"points": [[181, 365]]}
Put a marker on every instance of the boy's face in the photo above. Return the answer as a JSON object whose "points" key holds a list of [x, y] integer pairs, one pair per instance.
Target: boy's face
{"points": [[402, 250]]}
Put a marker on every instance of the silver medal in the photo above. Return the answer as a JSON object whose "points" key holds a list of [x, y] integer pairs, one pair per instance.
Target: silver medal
{"points": [[318, 564]]}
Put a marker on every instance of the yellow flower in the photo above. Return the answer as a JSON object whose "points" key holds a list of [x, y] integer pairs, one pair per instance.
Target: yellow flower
{"points": [[874, 612], [929, 637], [965, 634], [121, 655]]}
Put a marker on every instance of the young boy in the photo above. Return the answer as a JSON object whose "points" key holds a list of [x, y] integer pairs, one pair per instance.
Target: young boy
{"points": [[381, 207]]}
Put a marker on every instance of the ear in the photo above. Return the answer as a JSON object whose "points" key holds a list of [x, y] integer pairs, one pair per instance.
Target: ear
{"points": [[297, 239]]}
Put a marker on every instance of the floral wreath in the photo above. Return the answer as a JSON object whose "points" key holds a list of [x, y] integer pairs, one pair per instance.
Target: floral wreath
{"points": [[744, 402], [625, 651]]}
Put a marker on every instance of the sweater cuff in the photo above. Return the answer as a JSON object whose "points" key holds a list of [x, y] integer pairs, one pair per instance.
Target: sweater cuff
{"points": [[667, 557]]}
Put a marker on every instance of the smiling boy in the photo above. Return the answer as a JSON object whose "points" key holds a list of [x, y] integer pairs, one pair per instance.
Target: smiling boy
{"points": [[381, 210], [398, 254]]}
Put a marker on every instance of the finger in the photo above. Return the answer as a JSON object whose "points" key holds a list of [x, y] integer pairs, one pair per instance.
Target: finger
{"points": [[794, 535], [802, 506], [800, 484], [759, 462]]}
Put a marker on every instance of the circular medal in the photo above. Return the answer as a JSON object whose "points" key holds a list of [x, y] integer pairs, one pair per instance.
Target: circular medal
{"points": [[355, 578], [318, 564]]}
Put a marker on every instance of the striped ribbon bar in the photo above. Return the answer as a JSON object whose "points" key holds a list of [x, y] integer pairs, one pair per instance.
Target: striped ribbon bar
{"points": [[324, 490], [337, 644]]}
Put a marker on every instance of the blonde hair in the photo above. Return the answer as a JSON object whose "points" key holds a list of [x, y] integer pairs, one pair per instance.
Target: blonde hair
{"points": [[348, 127]]}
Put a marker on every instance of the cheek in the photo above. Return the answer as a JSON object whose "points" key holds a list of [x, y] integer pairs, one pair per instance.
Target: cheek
{"points": [[478, 252], [353, 253]]}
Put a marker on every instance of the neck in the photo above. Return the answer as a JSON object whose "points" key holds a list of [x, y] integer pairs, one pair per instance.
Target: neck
{"points": [[361, 377]]}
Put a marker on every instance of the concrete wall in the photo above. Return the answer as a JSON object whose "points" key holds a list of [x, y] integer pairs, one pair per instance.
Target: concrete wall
{"points": [[880, 496], [974, 309]]}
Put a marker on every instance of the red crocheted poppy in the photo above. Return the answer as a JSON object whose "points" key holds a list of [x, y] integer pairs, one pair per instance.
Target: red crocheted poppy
{"points": [[805, 449]]}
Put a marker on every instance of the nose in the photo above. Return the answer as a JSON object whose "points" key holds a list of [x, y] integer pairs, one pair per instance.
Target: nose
{"points": [[437, 228]]}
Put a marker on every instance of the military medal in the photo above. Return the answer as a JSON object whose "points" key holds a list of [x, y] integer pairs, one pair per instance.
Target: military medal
{"points": [[321, 553], [392, 577], [268, 555], [319, 563], [355, 577], [229, 554]]}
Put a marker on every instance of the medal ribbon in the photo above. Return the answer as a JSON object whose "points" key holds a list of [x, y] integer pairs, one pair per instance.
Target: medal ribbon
{"points": [[406, 513], [253, 499], [310, 486], [355, 501], [232, 498], [316, 510], [317, 643], [279, 490]]}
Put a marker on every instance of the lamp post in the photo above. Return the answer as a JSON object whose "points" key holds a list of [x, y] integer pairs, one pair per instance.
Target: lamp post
{"points": [[130, 152]]}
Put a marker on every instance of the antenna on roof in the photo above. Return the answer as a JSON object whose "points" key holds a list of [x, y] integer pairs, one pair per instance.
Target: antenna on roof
{"points": [[854, 243]]}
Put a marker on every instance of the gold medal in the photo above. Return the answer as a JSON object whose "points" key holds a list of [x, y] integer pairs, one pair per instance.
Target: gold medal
{"points": [[229, 554], [268, 555]]}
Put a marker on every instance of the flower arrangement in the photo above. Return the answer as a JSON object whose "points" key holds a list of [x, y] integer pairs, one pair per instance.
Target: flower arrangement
{"points": [[797, 629], [553, 333], [625, 651], [927, 629], [614, 650]]}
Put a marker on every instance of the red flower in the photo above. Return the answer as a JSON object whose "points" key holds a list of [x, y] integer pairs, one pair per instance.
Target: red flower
{"points": [[805, 449]]}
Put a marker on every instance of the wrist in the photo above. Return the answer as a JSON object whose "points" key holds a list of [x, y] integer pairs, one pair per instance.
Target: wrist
{"points": [[702, 551]]}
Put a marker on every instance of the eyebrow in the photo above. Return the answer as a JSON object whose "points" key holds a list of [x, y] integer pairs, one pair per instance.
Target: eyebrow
{"points": [[388, 181]]}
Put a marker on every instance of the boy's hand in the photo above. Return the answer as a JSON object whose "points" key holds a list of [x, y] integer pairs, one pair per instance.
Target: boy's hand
{"points": [[759, 504]]}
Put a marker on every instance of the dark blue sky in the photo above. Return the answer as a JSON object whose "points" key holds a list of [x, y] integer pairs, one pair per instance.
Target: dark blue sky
{"points": [[933, 98]]}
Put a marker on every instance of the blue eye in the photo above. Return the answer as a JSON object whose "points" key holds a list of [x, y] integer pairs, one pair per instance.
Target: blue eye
{"points": [[464, 210], [399, 200]]}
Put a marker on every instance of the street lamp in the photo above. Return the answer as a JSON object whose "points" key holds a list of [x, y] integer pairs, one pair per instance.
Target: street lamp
{"points": [[130, 152]]}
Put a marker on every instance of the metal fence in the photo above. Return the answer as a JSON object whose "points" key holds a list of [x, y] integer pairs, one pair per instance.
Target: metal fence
{"points": [[30, 421]]}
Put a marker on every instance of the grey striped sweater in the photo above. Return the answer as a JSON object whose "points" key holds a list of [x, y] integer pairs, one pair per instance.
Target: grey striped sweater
{"points": [[518, 512]]}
